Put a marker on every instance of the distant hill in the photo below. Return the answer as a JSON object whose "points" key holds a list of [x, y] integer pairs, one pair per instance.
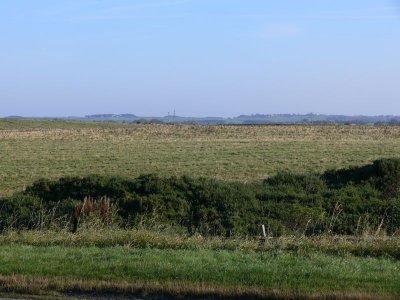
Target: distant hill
{"points": [[241, 119], [14, 117], [110, 116]]}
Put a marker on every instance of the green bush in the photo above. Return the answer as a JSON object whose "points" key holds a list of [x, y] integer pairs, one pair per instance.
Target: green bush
{"points": [[347, 201]]}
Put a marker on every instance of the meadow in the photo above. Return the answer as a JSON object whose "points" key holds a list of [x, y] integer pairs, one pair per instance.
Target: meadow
{"points": [[334, 234], [250, 275], [30, 150], [159, 264]]}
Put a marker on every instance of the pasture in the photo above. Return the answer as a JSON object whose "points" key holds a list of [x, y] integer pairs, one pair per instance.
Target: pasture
{"points": [[30, 150], [149, 264], [197, 273], [153, 259]]}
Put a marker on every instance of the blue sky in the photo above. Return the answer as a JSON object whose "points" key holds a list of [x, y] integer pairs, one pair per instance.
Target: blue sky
{"points": [[199, 57]]}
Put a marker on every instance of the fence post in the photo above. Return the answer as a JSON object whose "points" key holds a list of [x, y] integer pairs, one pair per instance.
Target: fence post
{"points": [[263, 233]]}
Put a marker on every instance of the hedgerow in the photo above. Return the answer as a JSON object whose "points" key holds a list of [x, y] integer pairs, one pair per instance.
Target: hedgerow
{"points": [[346, 201]]}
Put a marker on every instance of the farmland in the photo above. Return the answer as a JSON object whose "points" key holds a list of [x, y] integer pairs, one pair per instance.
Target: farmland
{"points": [[34, 149], [331, 234]]}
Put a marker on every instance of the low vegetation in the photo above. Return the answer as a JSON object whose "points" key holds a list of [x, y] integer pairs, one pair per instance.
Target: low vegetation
{"points": [[351, 201], [196, 272], [156, 238], [31, 150], [332, 233], [158, 263]]}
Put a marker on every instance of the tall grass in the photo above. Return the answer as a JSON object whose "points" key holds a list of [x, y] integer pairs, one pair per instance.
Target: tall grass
{"points": [[366, 246]]}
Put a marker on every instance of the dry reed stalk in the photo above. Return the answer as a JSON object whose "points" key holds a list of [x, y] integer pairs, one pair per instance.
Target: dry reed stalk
{"points": [[89, 206]]}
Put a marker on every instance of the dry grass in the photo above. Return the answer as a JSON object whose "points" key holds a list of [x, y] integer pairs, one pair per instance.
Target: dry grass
{"points": [[37, 286], [363, 246], [222, 132], [226, 152], [34, 285]]}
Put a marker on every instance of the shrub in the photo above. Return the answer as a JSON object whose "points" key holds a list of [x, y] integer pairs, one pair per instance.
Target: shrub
{"points": [[347, 201]]}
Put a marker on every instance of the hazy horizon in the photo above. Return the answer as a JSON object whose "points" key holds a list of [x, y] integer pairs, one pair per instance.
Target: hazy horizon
{"points": [[190, 116], [219, 58]]}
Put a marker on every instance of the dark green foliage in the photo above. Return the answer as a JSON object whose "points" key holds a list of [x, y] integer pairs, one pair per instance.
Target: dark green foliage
{"points": [[78, 187], [348, 201], [384, 174], [20, 212], [25, 211]]}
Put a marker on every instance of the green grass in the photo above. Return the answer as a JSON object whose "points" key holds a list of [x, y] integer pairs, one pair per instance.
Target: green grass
{"points": [[143, 262], [148, 262], [314, 273], [53, 149], [371, 246]]}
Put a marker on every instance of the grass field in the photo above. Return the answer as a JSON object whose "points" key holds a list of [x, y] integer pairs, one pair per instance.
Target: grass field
{"points": [[288, 268], [290, 274], [147, 261], [33, 149], [362, 246]]}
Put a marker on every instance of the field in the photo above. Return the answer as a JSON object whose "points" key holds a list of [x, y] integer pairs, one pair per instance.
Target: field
{"points": [[160, 260], [185, 270], [33, 149], [146, 263]]}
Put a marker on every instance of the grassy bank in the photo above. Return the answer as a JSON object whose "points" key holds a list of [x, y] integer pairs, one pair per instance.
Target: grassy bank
{"points": [[363, 246], [194, 272], [34, 150]]}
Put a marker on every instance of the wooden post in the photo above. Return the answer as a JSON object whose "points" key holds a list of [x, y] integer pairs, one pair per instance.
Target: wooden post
{"points": [[263, 234]]}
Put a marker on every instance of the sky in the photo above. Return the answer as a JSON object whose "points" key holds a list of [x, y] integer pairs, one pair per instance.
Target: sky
{"points": [[199, 57]]}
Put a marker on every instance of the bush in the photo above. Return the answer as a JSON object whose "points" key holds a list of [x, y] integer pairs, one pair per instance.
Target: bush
{"points": [[347, 201]]}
